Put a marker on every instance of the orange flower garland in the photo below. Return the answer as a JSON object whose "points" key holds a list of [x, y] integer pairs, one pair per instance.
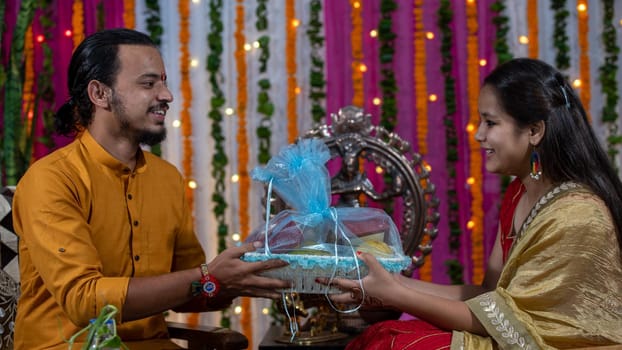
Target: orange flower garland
{"points": [[584, 57], [532, 28], [186, 94], [475, 160], [77, 22], [28, 94], [291, 25], [420, 78], [421, 101], [356, 43], [129, 18], [183, 7], [243, 154]]}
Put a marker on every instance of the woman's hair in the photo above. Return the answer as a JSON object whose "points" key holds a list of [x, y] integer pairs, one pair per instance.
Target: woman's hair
{"points": [[96, 58], [530, 90]]}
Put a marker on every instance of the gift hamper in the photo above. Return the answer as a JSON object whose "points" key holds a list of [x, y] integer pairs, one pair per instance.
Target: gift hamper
{"points": [[315, 238]]}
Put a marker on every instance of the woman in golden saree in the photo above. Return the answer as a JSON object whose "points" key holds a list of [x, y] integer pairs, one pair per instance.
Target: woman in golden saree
{"points": [[555, 274]]}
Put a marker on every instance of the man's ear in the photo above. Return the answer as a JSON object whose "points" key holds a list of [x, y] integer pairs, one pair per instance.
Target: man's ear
{"points": [[536, 132], [99, 94]]}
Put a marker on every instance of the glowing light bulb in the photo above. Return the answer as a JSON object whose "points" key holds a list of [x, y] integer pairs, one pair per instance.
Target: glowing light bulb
{"points": [[297, 90], [429, 35], [194, 62], [576, 83], [40, 38], [256, 44], [470, 127], [470, 224], [237, 310], [470, 180], [192, 184], [265, 311], [523, 39], [483, 62], [235, 178], [379, 170], [376, 101], [235, 237], [363, 68], [229, 111], [582, 7], [176, 123], [247, 47], [68, 33], [432, 98], [373, 33], [295, 22], [356, 4]]}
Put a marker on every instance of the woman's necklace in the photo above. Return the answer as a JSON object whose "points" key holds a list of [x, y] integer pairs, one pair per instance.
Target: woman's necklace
{"points": [[541, 203]]}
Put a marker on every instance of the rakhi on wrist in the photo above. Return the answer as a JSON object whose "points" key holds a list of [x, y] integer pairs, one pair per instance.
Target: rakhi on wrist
{"points": [[208, 286]]}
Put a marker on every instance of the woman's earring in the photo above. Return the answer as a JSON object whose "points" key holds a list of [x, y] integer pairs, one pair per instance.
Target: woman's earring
{"points": [[536, 167]]}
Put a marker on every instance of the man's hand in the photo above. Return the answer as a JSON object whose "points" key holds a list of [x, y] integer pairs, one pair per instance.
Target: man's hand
{"points": [[240, 278]]}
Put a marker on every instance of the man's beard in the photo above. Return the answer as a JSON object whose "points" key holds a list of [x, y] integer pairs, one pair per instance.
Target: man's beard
{"points": [[145, 137]]}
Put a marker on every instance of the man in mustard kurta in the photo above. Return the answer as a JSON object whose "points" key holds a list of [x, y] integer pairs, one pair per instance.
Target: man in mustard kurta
{"points": [[103, 222]]}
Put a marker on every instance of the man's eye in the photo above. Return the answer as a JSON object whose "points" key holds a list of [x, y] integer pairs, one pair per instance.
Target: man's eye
{"points": [[149, 84]]}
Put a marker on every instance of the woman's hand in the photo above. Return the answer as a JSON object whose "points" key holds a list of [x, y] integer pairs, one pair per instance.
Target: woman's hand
{"points": [[378, 286], [240, 278]]}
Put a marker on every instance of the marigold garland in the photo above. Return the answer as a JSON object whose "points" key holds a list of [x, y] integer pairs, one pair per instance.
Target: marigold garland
{"points": [[475, 159], [584, 55], [243, 154], [129, 18], [445, 18], [420, 78], [532, 28], [290, 65], [183, 7], [608, 79], [28, 94], [421, 102], [77, 22], [356, 44]]}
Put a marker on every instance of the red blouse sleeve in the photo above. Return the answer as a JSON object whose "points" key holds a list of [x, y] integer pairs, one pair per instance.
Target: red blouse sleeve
{"points": [[511, 197]]}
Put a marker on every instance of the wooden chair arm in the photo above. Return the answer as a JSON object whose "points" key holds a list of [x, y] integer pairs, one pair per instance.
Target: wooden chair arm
{"points": [[202, 337]]}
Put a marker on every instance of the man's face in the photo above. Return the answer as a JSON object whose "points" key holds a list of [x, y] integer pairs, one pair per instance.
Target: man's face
{"points": [[140, 96]]}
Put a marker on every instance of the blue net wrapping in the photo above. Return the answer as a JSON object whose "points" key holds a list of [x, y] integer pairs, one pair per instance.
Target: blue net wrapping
{"points": [[312, 234]]}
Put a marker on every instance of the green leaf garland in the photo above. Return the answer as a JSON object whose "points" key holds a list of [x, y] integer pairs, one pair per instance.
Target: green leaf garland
{"points": [[608, 79], [317, 81], [445, 17], [13, 95], [388, 85], [155, 30], [560, 38], [45, 89], [265, 107], [501, 22]]}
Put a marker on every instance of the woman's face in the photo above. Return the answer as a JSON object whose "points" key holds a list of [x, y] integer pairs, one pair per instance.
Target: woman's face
{"points": [[507, 147]]}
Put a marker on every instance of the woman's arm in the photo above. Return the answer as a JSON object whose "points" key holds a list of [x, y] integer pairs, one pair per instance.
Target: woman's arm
{"points": [[466, 291]]}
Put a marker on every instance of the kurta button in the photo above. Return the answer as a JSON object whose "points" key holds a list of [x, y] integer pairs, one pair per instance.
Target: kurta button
{"points": [[136, 223], [136, 257], [129, 196]]}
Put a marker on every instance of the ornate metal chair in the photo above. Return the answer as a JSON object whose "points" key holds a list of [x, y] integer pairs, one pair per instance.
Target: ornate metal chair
{"points": [[197, 337], [401, 186]]}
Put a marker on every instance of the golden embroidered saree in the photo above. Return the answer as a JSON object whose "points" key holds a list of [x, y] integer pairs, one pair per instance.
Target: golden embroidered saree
{"points": [[562, 284]]}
